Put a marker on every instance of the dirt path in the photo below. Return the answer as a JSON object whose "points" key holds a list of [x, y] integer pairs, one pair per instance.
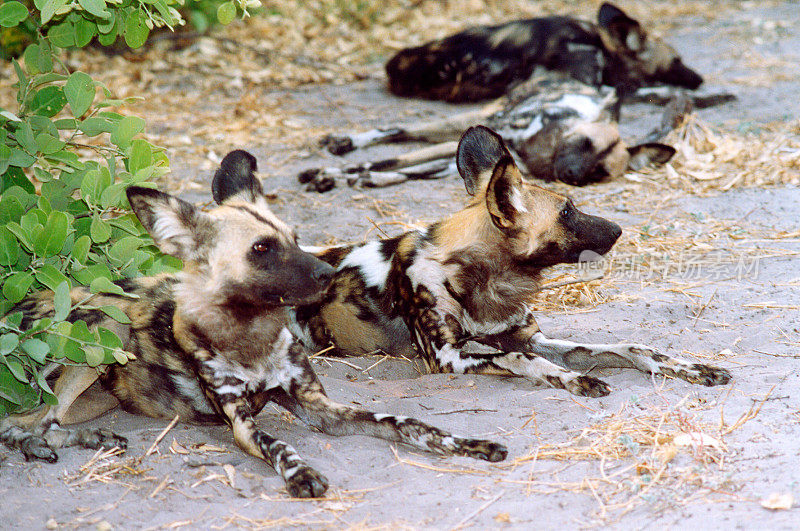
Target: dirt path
{"points": [[716, 279]]}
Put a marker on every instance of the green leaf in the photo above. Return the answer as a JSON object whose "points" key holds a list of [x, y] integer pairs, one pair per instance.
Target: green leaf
{"points": [[16, 286], [21, 159], [127, 128], [32, 56], [5, 159], [107, 338], [94, 355], [80, 250], [48, 144], [43, 124], [122, 251], [95, 125], [93, 184], [62, 302], [20, 233], [50, 276], [66, 123], [79, 91], [100, 231], [49, 9], [48, 102], [25, 137], [113, 196], [116, 314], [85, 30], [12, 390], [88, 274], [46, 64], [36, 349], [107, 39], [49, 397], [95, 7], [120, 356], [62, 35], [103, 285], [9, 248], [141, 155], [226, 13], [8, 342], [12, 13], [16, 369], [104, 27], [136, 30], [52, 238]]}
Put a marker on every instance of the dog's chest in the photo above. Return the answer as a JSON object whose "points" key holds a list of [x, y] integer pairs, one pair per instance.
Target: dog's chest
{"points": [[230, 375]]}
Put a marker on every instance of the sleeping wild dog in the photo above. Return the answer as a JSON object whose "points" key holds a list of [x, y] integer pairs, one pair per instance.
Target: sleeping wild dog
{"points": [[484, 62], [465, 283], [556, 127], [211, 342]]}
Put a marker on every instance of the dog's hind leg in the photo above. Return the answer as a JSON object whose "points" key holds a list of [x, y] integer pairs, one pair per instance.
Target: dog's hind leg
{"points": [[433, 131], [305, 397], [36, 434], [431, 162]]}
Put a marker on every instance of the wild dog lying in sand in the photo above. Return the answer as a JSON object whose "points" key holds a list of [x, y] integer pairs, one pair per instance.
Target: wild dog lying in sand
{"points": [[212, 343], [468, 280], [557, 127], [485, 61]]}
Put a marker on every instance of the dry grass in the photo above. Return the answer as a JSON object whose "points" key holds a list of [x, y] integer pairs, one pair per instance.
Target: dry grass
{"points": [[649, 451]]}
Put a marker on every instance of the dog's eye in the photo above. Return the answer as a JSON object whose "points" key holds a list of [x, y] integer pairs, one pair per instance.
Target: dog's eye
{"points": [[262, 247], [566, 211]]}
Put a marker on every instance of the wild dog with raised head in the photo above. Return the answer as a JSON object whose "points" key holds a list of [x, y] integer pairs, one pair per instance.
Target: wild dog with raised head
{"points": [[212, 343], [557, 127], [484, 61], [469, 279]]}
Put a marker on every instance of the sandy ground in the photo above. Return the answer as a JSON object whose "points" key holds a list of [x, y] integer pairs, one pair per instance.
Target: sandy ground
{"points": [[654, 453]]}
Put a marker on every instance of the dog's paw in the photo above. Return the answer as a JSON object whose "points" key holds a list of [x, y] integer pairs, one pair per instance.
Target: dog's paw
{"points": [[587, 386], [36, 448], [105, 439], [707, 375], [338, 145], [306, 483], [487, 450]]}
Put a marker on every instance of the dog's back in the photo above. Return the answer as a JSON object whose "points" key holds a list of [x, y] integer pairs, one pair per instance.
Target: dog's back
{"points": [[481, 62], [485, 61]]}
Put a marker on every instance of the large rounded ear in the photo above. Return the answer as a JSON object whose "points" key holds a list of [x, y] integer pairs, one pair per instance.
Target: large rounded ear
{"points": [[649, 153], [236, 177], [479, 151], [177, 227], [504, 194], [624, 32]]}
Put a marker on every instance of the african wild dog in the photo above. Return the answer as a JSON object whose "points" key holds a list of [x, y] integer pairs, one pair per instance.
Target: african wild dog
{"points": [[469, 279], [484, 61], [212, 343], [558, 128]]}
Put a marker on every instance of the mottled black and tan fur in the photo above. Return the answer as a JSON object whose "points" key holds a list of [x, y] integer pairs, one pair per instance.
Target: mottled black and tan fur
{"points": [[211, 342], [484, 62], [557, 128], [469, 280]]}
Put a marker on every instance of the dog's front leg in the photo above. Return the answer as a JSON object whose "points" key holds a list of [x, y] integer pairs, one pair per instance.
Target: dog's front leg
{"points": [[304, 396], [436, 336], [228, 394], [585, 356]]}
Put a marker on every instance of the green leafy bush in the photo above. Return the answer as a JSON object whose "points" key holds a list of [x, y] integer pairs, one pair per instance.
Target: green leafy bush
{"points": [[64, 220], [80, 22]]}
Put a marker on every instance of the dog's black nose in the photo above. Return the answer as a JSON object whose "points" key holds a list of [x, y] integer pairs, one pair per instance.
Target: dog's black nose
{"points": [[616, 231]]}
